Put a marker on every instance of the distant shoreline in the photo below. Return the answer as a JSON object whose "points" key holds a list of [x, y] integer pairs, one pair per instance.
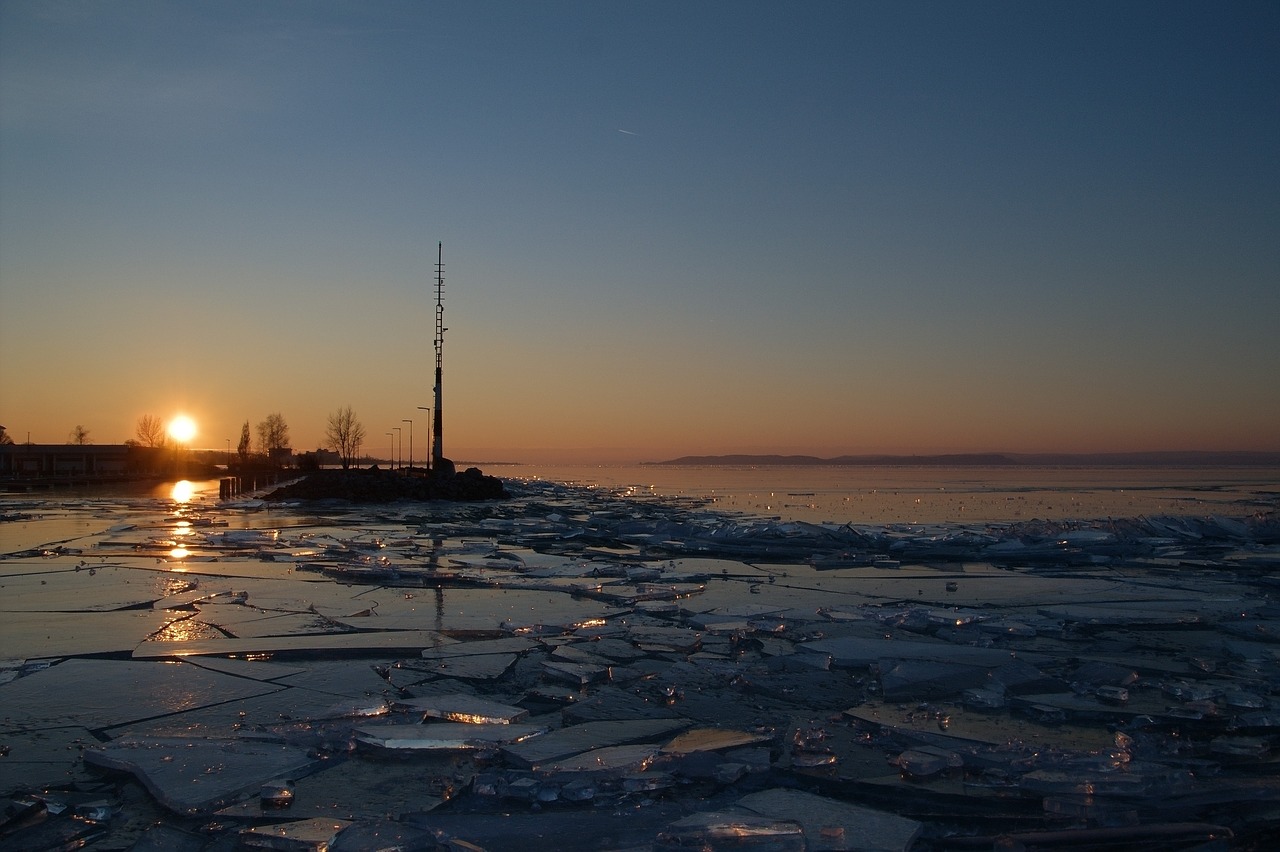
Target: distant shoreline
{"points": [[1141, 459]]}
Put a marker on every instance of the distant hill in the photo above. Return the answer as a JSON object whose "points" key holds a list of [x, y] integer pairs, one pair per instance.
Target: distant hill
{"points": [[1146, 459]]}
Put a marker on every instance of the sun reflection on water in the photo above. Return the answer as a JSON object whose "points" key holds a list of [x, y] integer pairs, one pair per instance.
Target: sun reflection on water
{"points": [[182, 491]]}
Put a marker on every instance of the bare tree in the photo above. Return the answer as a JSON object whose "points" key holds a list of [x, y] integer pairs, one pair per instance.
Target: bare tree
{"points": [[79, 435], [273, 433], [344, 434], [150, 431], [4, 437]]}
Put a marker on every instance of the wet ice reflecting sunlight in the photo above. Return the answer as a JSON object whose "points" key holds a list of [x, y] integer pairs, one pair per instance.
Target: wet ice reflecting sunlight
{"points": [[574, 652]]}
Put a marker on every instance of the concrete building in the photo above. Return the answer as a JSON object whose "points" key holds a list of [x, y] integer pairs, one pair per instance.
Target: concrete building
{"points": [[89, 461]]}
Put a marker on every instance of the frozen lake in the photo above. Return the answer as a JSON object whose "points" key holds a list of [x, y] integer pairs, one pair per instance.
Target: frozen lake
{"points": [[838, 658]]}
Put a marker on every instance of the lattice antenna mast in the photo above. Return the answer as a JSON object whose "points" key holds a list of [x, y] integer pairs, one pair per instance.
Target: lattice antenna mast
{"points": [[437, 426]]}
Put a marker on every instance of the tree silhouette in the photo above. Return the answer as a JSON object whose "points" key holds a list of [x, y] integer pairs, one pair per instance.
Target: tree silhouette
{"points": [[344, 434], [79, 435], [150, 431], [243, 447], [273, 433]]}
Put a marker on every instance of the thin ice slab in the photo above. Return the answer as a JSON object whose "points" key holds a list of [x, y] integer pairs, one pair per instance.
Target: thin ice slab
{"points": [[830, 824], [610, 760], [471, 667], [443, 736], [391, 641], [508, 645], [921, 679], [107, 693], [42, 635], [199, 776], [383, 835], [460, 707], [49, 757], [92, 588], [307, 835], [711, 739], [858, 652], [591, 735], [720, 831]]}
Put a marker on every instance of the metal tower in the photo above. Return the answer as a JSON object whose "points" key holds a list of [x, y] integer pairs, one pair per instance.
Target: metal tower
{"points": [[437, 426]]}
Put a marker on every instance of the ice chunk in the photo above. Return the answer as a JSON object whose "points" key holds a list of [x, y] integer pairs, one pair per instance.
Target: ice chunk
{"points": [[859, 652], [712, 739], [308, 835], [446, 736], [830, 824], [202, 775], [925, 679], [459, 707], [591, 735], [717, 831], [611, 759], [383, 835], [346, 642]]}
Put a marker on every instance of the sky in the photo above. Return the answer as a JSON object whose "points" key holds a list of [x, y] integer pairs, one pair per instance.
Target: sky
{"points": [[668, 228]]}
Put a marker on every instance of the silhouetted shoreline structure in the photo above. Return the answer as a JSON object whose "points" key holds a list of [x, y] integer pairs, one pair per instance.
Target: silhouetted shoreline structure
{"points": [[438, 462], [375, 485]]}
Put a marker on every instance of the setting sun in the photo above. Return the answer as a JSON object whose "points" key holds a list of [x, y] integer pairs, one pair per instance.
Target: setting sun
{"points": [[182, 429]]}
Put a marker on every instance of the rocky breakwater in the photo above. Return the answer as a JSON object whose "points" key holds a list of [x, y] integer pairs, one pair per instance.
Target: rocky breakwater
{"points": [[374, 485]]}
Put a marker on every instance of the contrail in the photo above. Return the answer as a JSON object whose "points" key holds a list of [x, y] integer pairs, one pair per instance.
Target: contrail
{"points": [[628, 132]]}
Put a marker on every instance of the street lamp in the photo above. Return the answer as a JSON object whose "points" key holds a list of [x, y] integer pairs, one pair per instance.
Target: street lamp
{"points": [[410, 422], [392, 436], [428, 410], [400, 435]]}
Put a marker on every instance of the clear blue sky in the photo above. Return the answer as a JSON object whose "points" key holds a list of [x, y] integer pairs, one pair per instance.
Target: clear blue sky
{"points": [[668, 227]]}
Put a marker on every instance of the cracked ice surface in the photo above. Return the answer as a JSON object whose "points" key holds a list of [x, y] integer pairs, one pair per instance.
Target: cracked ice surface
{"points": [[571, 654]]}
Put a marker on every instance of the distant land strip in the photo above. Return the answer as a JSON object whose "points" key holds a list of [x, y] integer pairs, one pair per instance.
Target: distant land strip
{"points": [[1190, 458]]}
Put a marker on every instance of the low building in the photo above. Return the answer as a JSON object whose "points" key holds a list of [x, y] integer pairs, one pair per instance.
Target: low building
{"points": [[51, 461]]}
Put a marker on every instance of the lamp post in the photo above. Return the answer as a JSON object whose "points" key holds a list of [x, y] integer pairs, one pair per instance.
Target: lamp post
{"points": [[228, 454], [428, 410], [400, 436], [392, 461], [410, 422]]}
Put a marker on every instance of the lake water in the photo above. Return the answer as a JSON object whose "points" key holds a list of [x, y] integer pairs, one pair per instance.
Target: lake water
{"points": [[926, 494], [870, 494]]}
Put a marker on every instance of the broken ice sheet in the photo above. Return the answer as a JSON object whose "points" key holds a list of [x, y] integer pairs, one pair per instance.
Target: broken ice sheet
{"points": [[830, 824], [587, 736], [460, 707], [391, 641], [712, 739], [464, 609], [858, 652], [37, 635], [921, 679], [308, 835], [715, 831], [444, 736], [48, 757], [82, 586], [199, 776], [575, 674], [109, 693], [610, 759]]}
